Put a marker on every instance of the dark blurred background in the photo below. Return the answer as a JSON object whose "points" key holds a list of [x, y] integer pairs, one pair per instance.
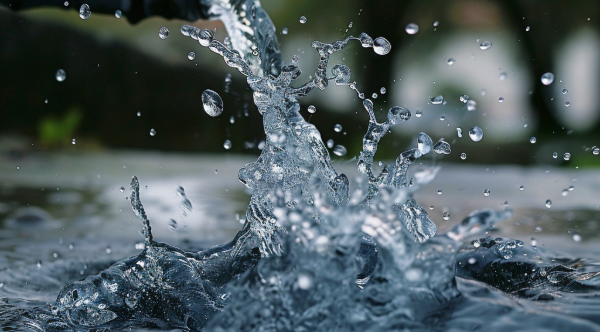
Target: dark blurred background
{"points": [[122, 80]]}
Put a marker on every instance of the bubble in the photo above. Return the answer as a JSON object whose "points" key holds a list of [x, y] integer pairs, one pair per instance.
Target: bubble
{"points": [[446, 215], [567, 104], [227, 144], [152, 132], [471, 105], [533, 140], [382, 90], [476, 134], [459, 132], [521, 188], [312, 109], [191, 56], [398, 115], [381, 46], [576, 237], [418, 113], [463, 156], [555, 155], [527, 28], [547, 78], [437, 100], [337, 128], [485, 45], [73, 141], [596, 151], [486, 192], [548, 203], [163, 33], [118, 14], [565, 91], [566, 156], [451, 61], [85, 12], [284, 31], [212, 103], [340, 150], [412, 28], [330, 143], [302, 19], [502, 76]]}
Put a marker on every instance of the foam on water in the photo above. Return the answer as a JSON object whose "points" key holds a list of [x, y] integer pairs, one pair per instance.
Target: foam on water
{"points": [[315, 254]]}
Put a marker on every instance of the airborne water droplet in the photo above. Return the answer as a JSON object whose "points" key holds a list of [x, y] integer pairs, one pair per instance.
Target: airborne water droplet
{"points": [[485, 45], [476, 134], [163, 33], [437, 100], [576, 237], [446, 215], [205, 37], [464, 99], [502, 76], [172, 224], [374, 95], [527, 28], [412, 28], [555, 155], [337, 128], [382, 90], [118, 14], [418, 113], [596, 150], [547, 78], [521, 188], [471, 105], [459, 132], [302, 19], [340, 150], [61, 75], [565, 91], [381, 46], [212, 103], [532, 140], [501, 99], [442, 147], [548, 203], [122, 189], [463, 156], [397, 115], [191, 55], [73, 141], [440, 191], [85, 12], [227, 144], [486, 192], [567, 104], [567, 156], [330, 143], [152, 132], [451, 61], [312, 109]]}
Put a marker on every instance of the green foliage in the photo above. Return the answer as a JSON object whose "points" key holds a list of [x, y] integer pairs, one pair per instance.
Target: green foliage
{"points": [[55, 131]]}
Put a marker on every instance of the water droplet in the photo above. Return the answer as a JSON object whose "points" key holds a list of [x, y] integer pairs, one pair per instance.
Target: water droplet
{"points": [[437, 100], [486, 192], [565, 91], [446, 215], [567, 104], [547, 78], [330, 143], [163, 33], [440, 191], [464, 99], [118, 14], [485, 45], [567, 156], [412, 28], [527, 28], [418, 113], [205, 37], [483, 92], [565, 192], [596, 150], [191, 56], [476, 134], [476, 243], [152, 132], [139, 113], [66, 3], [502, 76], [227, 144], [576, 237], [305, 280], [108, 250], [451, 61], [382, 90], [501, 99], [381, 46], [442, 117], [61, 75], [172, 225], [548, 203], [73, 141], [232, 120], [295, 58], [459, 132], [212, 103], [472, 260], [555, 155], [340, 150], [302, 19], [398, 115], [374, 95], [122, 189], [337, 128], [312, 109], [84, 11], [521, 188], [471, 105], [532, 140], [436, 23], [46, 101], [284, 31], [463, 156], [442, 147]]}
